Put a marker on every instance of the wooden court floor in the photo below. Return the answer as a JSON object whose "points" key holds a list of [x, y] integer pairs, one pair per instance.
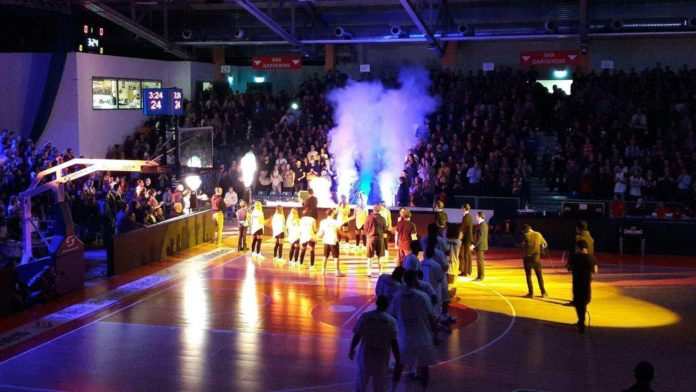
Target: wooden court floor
{"points": [[239, 324]]}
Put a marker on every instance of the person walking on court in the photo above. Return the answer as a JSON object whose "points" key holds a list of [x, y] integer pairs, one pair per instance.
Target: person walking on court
{"points": [[582, 265], [405, 233], [533, 245], [466, 235], [375, 227], [414, 314], [360, 214], [481, 246], [328, 232], [218, 214], [376, 335], [343, 216], [386, 214]]}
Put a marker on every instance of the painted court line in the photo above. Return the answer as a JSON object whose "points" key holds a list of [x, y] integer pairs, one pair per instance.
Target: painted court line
{"points": [[27, 389], [511, 323], [74, 312]]}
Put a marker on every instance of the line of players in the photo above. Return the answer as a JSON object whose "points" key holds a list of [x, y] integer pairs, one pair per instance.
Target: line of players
{"points": [[302, 232]]}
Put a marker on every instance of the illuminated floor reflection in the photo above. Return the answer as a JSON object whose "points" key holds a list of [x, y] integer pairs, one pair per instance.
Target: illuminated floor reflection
{"points": [[251, 325]]}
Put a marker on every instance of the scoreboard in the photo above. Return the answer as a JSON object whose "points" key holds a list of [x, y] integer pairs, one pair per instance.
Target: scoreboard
{"points": [[163, 102]]}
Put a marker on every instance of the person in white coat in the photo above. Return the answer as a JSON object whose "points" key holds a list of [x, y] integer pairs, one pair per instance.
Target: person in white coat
{"points": [[413, 311], [293, 226], [278, 228], [376, 334]]}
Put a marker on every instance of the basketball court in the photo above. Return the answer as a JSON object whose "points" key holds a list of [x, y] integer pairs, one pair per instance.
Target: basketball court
{"points": [[215, 320]]}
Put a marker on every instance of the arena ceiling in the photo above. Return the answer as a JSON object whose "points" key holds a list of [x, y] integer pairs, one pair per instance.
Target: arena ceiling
{"points": [[187, 29]]}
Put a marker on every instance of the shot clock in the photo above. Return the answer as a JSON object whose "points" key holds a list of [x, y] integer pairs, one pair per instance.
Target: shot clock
{"points": [[163, 102], [91, 39]]}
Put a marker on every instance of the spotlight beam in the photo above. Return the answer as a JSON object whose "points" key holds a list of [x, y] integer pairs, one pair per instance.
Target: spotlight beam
{"points": [[406, 4]]}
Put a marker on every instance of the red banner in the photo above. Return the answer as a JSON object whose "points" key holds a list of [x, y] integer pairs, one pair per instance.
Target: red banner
{"points": [[560, 57], [276, 62]]}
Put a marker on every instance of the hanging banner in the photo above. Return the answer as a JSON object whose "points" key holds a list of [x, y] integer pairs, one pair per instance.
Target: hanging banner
{"points": [[558, 57], [269, 63]]}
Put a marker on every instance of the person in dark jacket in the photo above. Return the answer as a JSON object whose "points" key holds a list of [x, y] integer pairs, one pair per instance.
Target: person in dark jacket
{"points": [[466, 234], [582, 265], [481, 246], [402, 194], [310, 204], [644, 373]]}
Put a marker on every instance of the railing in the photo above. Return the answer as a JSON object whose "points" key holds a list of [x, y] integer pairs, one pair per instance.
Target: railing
{"points": [[631, 208]]}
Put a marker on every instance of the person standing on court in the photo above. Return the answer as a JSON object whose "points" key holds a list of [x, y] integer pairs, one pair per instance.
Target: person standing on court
{"points": [[308, 232], [481, 246], [466, 235], [386, 214], [278, 227], [329, 234], [218, 214], [375, 227], [441, 218], [533, 245], [311, 205], [582, 265], [243, 220], [582, 233], [405, 233], [376, 334]]}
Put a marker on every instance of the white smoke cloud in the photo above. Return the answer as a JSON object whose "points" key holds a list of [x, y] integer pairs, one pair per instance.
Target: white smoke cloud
{"points": [[376, 127]]}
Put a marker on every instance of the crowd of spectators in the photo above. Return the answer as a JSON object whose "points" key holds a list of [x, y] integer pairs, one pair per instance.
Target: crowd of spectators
{"points": [[480, 141], [622, 134], [625, 135], [101, 201]]}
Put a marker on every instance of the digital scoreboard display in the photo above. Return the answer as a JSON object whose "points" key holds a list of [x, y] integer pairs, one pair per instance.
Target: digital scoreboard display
{"points": [[163, 102], [91, 40]]}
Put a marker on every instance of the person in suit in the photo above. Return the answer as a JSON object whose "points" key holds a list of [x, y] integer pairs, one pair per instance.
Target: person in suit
{"points": [[441, 218], [533, 245], [582, 265], [310, 205], [466, 235], [481, 246]]}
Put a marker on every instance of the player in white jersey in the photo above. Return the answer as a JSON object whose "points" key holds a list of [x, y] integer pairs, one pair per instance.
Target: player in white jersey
{"points": [[293, 225], [308, 232], [257, 223], [328, 232]]}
